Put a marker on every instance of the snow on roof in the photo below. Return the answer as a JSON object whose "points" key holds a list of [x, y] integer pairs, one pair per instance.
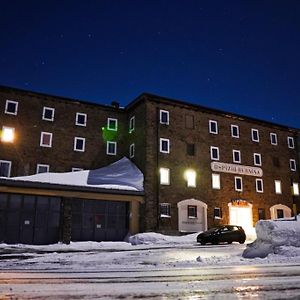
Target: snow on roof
{"points": [[120, 175]]}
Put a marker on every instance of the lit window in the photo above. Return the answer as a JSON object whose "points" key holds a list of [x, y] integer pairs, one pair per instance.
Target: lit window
{"points": [[235, 131], [112, 124], [164, 145], [273, 138], [111, 148], [236, 156], [255, 135], [40, 168], [192, 211], [76, 169], [46, 139], [278, 187], [131, 150], [5, 167], [214, 153], [257, 159], [213, 127], [217, 213], [79, 144], [238, 184], [131, 124], [80, 119], [216, 182], [48, 113], [11, 107], [164, 176], [290, 142], [292, 165], [295, 189], [8, 134], [259, 185], [164, 117], [165, 210], [190, 176]]}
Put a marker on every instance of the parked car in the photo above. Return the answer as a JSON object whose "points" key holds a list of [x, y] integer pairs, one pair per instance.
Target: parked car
{"points": [[222, 234]]}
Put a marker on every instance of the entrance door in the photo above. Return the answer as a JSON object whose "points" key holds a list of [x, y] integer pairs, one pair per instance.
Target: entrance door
{"points": [[241, 216]]}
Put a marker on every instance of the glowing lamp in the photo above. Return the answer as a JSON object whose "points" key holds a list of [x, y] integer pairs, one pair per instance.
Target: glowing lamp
{"points": [[8, 134]]}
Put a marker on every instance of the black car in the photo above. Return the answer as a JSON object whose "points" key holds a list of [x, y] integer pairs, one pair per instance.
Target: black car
{"points": [[222, 234]]}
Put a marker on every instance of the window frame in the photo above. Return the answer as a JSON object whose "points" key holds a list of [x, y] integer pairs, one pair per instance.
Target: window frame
{"points": [[109, 120], [252, 135], [292, 144], [216, 126], [219, 216], [238, 131], [132, 150], [77, 118], [78, 138], [107, 147], [161, 140], [52, 113], [161, 112], [43, 166], [211, 153], [131, 124], [278, 184], [194, 209], [167, 206], [234, 151], [167, 173], [16, 107], [257, 185], [9, 162], [273, 134], [215, 187], [235, 183], [293, 165], [259, 158], [41, 139]]}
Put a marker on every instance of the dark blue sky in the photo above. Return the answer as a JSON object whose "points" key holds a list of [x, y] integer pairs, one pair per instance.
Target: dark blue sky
{"points": [[239, 56]]}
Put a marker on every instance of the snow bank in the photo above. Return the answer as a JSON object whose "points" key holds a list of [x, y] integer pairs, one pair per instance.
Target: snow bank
{"points": [[275, 236]]}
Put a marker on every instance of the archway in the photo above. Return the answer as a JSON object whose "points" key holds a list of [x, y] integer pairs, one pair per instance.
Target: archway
{"points": [[280, 211]]}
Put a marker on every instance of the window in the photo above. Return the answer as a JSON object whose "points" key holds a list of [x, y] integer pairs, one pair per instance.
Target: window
{"points": [[192, 211], [8, 134], [290, 142], [255, 135], [261, 214], [279, 213], [5, 167], [112, 124], [189, 122], [79, 144], [259, 185], [292, 165], [235, 132], [111, 148], [81, 119], [46, 139], [164, 145], [213, 127], [164, 117], [40, 168], [236, 156], [214, 153], [165, 210], [190, 149], [164, 176], [190, 176], [257, 159], [276, 162], [295, 189], [278, 187], [217, 213], [216, 182], [11, 107], [238, 183], [131, 150], [273, 138], [131, 124], [48, 113], [76, 169]]}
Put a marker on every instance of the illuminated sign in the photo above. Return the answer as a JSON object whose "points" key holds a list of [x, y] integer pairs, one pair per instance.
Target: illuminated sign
{"points": [[236, 169]]}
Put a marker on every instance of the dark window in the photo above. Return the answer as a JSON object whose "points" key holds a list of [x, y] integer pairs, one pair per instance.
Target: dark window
{"points": [[276, 162], [234, 131], [111, 148], [217, 213], [192, 211], [238, 183], [11, 107], [5, 168], [79, 144], [164, 117], [164, 146], [236, 156], [189, 122], [190, 149], [279, 213], [261, 214], [80, 119], [213, 127], [165, 209], [48, 113]]}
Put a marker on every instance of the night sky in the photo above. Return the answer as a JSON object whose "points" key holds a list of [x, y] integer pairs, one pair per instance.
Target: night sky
{"points": [[238, 56]]}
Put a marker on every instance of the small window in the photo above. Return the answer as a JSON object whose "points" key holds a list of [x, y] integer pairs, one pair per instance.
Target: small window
{"points": [[165, 210], [131, 150], [279, 213], [48, 113], [255, 135], [164, 176], [216, 182], [190, 149], [5, 168], [295, 189], [273, 138], [238, 182], [236, 156], [164, 145], [46, 139], [235, 132], [189, 122], [8, 134], [190, 176], [164, 117], [261, 214], [290, 141], [79, 144], [278, 187], [81, 119], [111, 148], [214, 153], [192, 211], [217, 213], [11, 107], [76, 169], [276, 162], [257, 159], [259, 185], [213, 127], [112, 124], [131, 124], [40, 168], [293, 165]]}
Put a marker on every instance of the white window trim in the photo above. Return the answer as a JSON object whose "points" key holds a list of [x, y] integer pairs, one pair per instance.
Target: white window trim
{"points": [[279, 192], [256, 185], [210, 127], [211, 153], [44, 111], [108, 123], [161, 140], [275, 135], [77, 138], [85, 119], [132, 150], [161, 112], [254, 160], [131, 124], [293, 162], [6, 107], [41, 140], [162, 180], [233, 156], [2, 135], [220, 213], [238, 131], [74, 169], [42, 165], [235, 183], [107, 148], [252, 135], [292, 144], [9, 164], [216, 187]]}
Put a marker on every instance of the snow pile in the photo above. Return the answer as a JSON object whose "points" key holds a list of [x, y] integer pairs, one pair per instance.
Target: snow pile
{"points": [[275, 236]]}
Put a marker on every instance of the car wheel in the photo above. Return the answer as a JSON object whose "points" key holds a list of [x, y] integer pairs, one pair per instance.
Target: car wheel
{"points": [[230, 242], [242, 241], [215, 242], [202, 243]]}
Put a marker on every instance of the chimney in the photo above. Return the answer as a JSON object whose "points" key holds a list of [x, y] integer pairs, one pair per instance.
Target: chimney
{"points": [[115, 104]]}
